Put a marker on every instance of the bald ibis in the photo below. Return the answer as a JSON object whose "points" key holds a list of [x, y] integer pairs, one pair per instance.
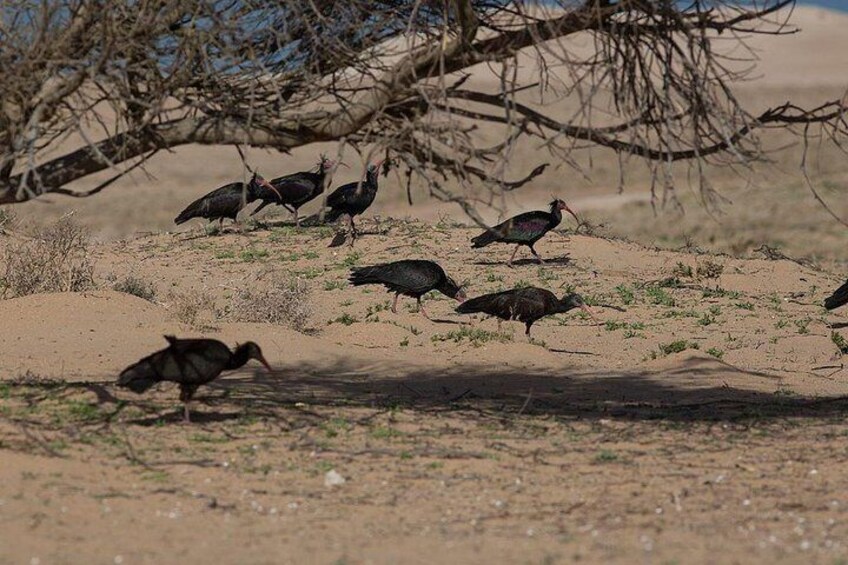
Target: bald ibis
{"points": [[190, 363], [523, 304], [410, 277], [297, 189], [227, 201], [354, 198], [838, 298], [524, 229]]}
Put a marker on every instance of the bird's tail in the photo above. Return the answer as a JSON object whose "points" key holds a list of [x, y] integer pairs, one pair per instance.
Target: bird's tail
{"points": [[135, 380], [484, 239], [365, 275], [838, 298], [472, 306]]}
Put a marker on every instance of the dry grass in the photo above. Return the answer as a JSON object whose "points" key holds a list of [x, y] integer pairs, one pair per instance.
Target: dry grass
{"points": [[282, 302], [55, 259], [190, 307], [137, 286]]}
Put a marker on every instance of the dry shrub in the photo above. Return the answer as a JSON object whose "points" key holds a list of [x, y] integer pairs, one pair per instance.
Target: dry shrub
{"points": [[55, 259], [189, 307], [283, 302], [136, 286], [7, 218]]}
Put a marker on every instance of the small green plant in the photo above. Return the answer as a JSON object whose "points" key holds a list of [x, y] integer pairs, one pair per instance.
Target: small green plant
{"points": [[659, 296], [521, 283], [720, 293], [677, 346], [228, 254], [404, 342], [840, 342], [681, 270], [251, 255], [745, 305], [612, 325], [606, 456], [345, 319], [802, 325], [781, 323], [706, 319], [715, 352], [334, 285], [352, 259], [475, 336], [625, 294]]}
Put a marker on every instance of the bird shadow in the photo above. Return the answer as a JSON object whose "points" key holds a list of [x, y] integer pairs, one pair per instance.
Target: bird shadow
{"points": [[205, 416], [839, 325], [561, 261], [444, 321]]}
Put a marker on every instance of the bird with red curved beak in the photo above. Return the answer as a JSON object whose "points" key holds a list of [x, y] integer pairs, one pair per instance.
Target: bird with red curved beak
{"points": [[524, 229]]}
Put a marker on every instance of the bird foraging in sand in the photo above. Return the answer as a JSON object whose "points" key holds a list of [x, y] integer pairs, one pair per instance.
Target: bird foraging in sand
{"points": [[228, 200], [189, 363], [526, 305], [524, 229], [410, 277]]}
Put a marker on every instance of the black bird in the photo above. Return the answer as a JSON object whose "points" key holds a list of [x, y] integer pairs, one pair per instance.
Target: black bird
{"points": [[297, 189], [410, 277], [838, 298], [525, 229], [227, 201], [523, 304], [190, 363], [354, 198]]}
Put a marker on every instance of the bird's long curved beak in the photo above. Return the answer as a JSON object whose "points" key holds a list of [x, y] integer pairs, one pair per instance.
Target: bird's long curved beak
{"points": [[271, 187], [265, 363], [591, 315], [570, 211]]}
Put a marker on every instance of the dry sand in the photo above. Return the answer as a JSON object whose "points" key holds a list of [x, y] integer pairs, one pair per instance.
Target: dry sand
{"points": [[594, 443]]}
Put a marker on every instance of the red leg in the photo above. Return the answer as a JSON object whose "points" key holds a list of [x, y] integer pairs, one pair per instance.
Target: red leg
{"points": [[512, 258], [394, 303]]}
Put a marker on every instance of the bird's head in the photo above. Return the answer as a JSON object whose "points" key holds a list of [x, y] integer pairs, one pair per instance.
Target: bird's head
{"points": [[453, 290], [253, 351], [559, 204], [572, 301], [259, 180], [325, 163]]}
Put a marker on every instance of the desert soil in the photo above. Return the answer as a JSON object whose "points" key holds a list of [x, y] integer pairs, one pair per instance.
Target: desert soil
{"points": [[703, 420]]}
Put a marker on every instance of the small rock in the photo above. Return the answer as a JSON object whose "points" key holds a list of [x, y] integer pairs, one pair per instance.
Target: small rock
{"points": [[333, 478]]}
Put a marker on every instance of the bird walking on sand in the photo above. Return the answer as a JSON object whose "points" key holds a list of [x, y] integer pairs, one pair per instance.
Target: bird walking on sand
{"points": [[410, 277], [354, 198], [523, 304], [227, 201], [524, 229], [297, 189], [190, 363]]}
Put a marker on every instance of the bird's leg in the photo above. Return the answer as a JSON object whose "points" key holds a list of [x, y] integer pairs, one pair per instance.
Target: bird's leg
{"points": [[512, 258], [394, 303], [352, 228], [296, 218], [186, 412], [499, 325], [421, 308], [539, 257], [527, 331]]}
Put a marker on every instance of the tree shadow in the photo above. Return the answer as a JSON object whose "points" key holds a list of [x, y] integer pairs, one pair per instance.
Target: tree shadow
{"points": [[695, 390], [554, 261]]}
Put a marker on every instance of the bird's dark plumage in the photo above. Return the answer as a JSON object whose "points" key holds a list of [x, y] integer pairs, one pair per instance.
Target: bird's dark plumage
{"points": [[523, 304], [355, 197], [410, 277], [838, 298], [297, 189], [226, 201], [188, 362], [524, 229]]}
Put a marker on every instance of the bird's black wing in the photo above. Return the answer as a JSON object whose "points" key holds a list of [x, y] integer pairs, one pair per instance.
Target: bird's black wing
{"points": [[189, 361], [416, 277], [225, 201]]}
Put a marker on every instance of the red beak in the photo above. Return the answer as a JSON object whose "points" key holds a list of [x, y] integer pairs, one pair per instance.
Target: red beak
{"points": [[586, 309], [570, 211], [269, 186]]}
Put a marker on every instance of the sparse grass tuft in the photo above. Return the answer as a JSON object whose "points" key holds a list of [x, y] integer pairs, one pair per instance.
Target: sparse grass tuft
{"points": [[187, 307], [56, 259], [137, 286], [709, 269], [282, 301], [659, 296], [475, 336], [625, 294], [674, 347], [839, 342], [715, 352]]}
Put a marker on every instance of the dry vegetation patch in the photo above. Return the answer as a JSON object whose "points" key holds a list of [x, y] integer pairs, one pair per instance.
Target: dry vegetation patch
{"points": [[56, 258], [281, 301]]}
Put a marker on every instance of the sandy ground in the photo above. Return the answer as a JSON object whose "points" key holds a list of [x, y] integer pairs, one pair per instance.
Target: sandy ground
{"points": [[701, 421]]}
